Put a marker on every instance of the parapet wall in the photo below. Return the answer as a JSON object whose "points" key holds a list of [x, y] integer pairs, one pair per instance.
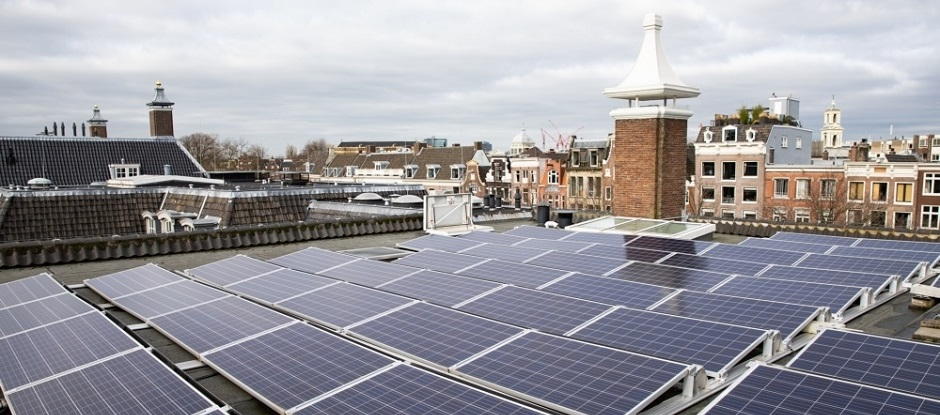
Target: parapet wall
{"points": [[768, 229]]}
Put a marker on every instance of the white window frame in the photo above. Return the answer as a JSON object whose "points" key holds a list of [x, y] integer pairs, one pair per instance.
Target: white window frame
{"points": [[433, 170], [729, 134], [801, 215], [756, 169], [803, 188], [714, 169], [553, 176], [930, 217], [458, 171], [786, 188], [799, 142], [783, 142], [859, 194], [909, 193], [744, 194], [884, 196], [932, 183], [712, 199]]}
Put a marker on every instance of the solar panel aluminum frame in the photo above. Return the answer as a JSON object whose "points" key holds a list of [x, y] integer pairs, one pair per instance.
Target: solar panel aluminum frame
{"points": [[340, 329], [917, 274], [890, 285], [693, 378], [863, 296]]}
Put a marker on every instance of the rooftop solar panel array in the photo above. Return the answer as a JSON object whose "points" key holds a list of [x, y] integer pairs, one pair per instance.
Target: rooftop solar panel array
{"points": [[760, 255], [343, 304], [729, 266], [904, 269], [859, 252], [439, 261], [438, 242], [547, 312], [624, 253], [439, 288], [18, 318], [133, 280], [783, 245], [899, 245], [493, 237], [503, 252], [368, 272], [279, 285], [553, 245], [313, 260], [28, 289], [538, 232], [600, 238], [523, 275], [586, 264], [669, 244], [837, 297], [232, 270], [810, 238], [609, 290], [167, 298], [827, 276], [670, 276]]}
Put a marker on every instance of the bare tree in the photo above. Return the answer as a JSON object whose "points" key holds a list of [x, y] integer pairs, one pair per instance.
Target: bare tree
{"points": [[255, 156], [232, 149], [291, 152], [313, 146], [204, 148]]}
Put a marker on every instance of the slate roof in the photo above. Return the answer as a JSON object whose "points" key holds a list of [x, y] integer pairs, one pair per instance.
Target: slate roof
{"points": [[901, 158], [444, 157], [80, 161], [762, 132], [401, 143]]}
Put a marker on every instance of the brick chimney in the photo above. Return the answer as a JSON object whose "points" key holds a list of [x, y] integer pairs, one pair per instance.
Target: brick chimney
{"points": [[97, 124], [161, 113]]}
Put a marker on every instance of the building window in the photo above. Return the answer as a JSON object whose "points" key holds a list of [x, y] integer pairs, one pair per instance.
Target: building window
{"points": [[575, 160], [709, 135], [932, 183], [727, 214], [879, 192], [779, 214], [799, 142], [903, 192], [750, 134], [381, 165], [749, 194], [708, 194], [802, 215], [457, 171], [168, 226], [708, 169], [878, 218], [708, 213], [856, 217], [350, 171], [151, 225], [781, 188], [750, 215], [802, 188], [594, 159], [930, 217], [552, 177], [856, 190], [729, 170], [783, 142], [433, 169], [902, 220], [608, 193], [727, 195], [410, 171], [729, 134], [827, 188], [750, 169]]}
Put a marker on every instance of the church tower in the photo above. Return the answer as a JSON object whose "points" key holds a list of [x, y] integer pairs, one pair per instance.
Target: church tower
{"points": [[832, 126], [649, 151], [161, 114], [98, 126]]}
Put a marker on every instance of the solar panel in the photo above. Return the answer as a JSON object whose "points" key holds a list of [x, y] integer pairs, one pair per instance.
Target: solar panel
{"points": [[899, 245], [439, 261], [919, 256], [600, 238], [774, 390], [132, 383], [810, 238], [751, 254], [492, 237], [904, 269], [624, 253], [312, 260], [715, 346], [788, 319], [438, 242], [669, 244], [439, 288], [522, 275], [667, 276], [585, 264], [785, 245], [36, 313], [131, 281], [434, 334], [827, 276], [538, 232], [28, 289], [609, 290], [729, 266], [503, 252], [880, 361], [551, 245], [369, 272], [168, 298], [404, 389], [342, 304], [278, 285], [45, 351], [575, 376], [547, 312], [294, 364], [231, 270], [217, 323], [837, 297]]}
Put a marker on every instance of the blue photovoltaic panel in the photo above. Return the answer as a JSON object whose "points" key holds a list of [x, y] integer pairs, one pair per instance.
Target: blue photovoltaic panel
{"points": [[609, 290], [551, 245], [773, 390], [870, 265], [899, 245], [837, 297], [28, 289], [880, 361], [760, 255], [439, 261], [827, 276], [407, 390], [369, 272], [36, 354], [439, 288], [438, 242], [789, 319], [232, 270], [538, 233], [131, 281], [438, 335], [278, 285], [670, 245], [547, 312], [809, 238], [168, 298], [205, 327], [585, 264], [313, 260], [728, 266], [503, 252], [294, 364], [929, 257], [133, 383], [715, 346], [600, 238], [624, 253], [44, 311], [785, 245], [672, 277], [575, 375], [506, 272], [342, 304], [492, 237]]}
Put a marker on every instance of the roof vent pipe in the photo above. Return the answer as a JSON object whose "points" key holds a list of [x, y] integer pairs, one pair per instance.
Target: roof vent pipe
{"points": [[167, 170]]}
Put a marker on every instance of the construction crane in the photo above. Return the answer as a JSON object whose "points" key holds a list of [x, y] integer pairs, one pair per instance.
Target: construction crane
{"points": [[561, 142]]}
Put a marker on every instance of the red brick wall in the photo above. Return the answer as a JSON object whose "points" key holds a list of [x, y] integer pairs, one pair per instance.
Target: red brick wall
{"points": [[650, 162], [161, 123]]}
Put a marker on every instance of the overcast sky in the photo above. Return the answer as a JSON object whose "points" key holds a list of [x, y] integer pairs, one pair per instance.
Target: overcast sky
{"points": [[283, 72]]}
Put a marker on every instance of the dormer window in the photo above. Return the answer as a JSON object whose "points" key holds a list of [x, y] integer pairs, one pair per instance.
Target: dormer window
{"points": [[750, 134], [709, 135], [410, 171], [783, 142], [457, 171], [729, 134], [433, 169], [350, 171], [120, 171], [381, 165], [575, 160]]}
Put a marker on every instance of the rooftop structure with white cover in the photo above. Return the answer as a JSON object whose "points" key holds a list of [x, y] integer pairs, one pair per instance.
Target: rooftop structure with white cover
{"points": [[521, 142]]}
